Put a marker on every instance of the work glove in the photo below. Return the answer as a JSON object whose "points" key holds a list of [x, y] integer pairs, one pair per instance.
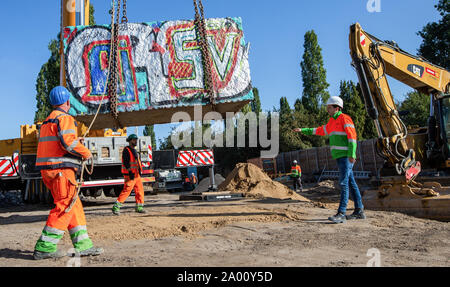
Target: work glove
{"points": [[131, 175]]}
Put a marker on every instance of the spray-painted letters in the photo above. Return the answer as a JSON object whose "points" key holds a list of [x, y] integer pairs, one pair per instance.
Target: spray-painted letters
{"points": [[160, 64]]}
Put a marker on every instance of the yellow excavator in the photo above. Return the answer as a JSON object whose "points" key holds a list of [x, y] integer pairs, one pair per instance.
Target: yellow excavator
{"points": [[420, 155]]}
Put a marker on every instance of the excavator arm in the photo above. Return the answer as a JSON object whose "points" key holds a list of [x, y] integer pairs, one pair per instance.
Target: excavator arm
{"points": [[373, 60]]}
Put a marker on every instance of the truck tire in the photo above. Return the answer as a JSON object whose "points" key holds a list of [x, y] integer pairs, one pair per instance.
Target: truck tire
{"points": [[118, 190]]}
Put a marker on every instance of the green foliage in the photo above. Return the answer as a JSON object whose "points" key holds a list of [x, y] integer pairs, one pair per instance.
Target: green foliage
{"points": [[436, 37], [150, 131], [49, 77], [418, 106], [313, 74], [353, 106]]}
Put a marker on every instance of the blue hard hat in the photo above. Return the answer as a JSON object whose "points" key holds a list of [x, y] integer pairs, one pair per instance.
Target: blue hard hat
{"points": [[59, 95]]}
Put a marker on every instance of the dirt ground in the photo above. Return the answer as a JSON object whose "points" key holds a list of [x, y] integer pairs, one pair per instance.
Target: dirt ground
{"points": [[248, 232]]}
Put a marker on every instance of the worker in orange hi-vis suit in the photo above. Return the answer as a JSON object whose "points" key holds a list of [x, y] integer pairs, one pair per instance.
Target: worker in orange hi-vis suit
{"points": [[131, 170], [60, 153]]}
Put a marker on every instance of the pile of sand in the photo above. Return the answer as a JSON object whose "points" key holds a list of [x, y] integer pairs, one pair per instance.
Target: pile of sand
{"points": [[250, 180]]}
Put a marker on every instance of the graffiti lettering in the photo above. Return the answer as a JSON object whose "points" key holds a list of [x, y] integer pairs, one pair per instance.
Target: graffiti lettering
{"points": [[159, 65]]}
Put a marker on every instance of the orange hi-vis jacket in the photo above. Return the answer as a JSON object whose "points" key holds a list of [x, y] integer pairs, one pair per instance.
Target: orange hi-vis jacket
{"points": [[58, 145], [296, 171], [342, 133], [194, 179], [135, 163]]}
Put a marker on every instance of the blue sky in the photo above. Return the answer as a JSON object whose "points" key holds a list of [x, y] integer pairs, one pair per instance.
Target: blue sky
{"points": [[275, 30]]}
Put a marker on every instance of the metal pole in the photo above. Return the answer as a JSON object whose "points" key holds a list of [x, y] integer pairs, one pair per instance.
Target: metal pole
{"points": [[212, 181]]}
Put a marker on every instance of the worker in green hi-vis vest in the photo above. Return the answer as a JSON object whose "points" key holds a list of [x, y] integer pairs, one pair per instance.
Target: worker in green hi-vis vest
{"points": [[296, 175]]}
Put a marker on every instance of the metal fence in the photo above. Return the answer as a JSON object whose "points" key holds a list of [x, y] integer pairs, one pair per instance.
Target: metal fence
{"points": [[316, 160]]}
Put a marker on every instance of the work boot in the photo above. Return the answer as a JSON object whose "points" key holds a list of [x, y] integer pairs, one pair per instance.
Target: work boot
{"points": [[116, 208], [38, 255], [93, 251], [338, 218], [357, 214], [140, 209]]}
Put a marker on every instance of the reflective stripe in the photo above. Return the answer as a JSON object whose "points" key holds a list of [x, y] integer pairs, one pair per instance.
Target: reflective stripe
{"points": [[80, 238], [314, 131], [139, 204], [338, 133], [65, 132], [77, 228], [349, 126], [325, 130], [339, 147], [57, 159], [53, 230], [49, 139], [49, 239], [352, 141], [73, 145]]}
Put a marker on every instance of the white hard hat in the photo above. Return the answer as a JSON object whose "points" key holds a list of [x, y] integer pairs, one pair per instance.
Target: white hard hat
{"points": [[335, 101], [294, 161]]}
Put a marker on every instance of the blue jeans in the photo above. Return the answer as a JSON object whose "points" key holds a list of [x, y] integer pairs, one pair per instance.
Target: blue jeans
{"points": [[348, 183]]}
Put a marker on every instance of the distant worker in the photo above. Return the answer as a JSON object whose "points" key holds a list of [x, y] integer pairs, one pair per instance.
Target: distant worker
{"points": [[343, 143], [131, 170], [194, 181], [296, 175], [59, 155]]}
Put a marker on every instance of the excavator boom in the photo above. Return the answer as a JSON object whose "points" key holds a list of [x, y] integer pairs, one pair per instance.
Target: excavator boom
{"points": [[373, 61]]}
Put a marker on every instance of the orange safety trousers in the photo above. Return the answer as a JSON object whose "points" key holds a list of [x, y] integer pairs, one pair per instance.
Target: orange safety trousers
{"points": [[62, 184], [129, 185]]}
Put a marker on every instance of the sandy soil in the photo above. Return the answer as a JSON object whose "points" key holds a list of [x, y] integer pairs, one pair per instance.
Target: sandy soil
{"points": [[248, 232]]}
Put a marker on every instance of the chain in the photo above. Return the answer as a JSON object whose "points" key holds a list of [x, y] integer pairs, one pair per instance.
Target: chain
{"points": [[200, 25], [112, 85], [124, 13]]}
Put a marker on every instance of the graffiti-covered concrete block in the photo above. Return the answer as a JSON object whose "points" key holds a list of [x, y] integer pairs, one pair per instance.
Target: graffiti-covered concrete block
{"points": [[160, 70]]}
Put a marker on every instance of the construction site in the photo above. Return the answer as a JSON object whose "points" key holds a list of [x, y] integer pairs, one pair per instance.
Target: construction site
{"points": [[201, 205]]}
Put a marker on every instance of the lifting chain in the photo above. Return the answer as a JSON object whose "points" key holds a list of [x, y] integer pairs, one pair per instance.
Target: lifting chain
{"points": [[200, 24], [124, 12], [113, 83]]}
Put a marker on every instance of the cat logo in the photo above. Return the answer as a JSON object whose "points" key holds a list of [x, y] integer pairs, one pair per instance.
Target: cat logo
{"points": [[416, 70]]}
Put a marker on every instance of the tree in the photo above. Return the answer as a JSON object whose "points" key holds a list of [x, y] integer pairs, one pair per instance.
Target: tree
{"points": [[256, 103], [370, 130], [436, 37], [48, 76], [353, 106], [150, 131], [313, 75], [418, 107]]}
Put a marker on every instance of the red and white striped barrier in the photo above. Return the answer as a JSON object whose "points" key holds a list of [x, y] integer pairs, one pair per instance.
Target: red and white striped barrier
{"points": [[9, 165], [150, 152], [195, 158]]}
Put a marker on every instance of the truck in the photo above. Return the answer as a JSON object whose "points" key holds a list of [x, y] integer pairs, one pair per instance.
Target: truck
{"points": [[168, 166]]}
